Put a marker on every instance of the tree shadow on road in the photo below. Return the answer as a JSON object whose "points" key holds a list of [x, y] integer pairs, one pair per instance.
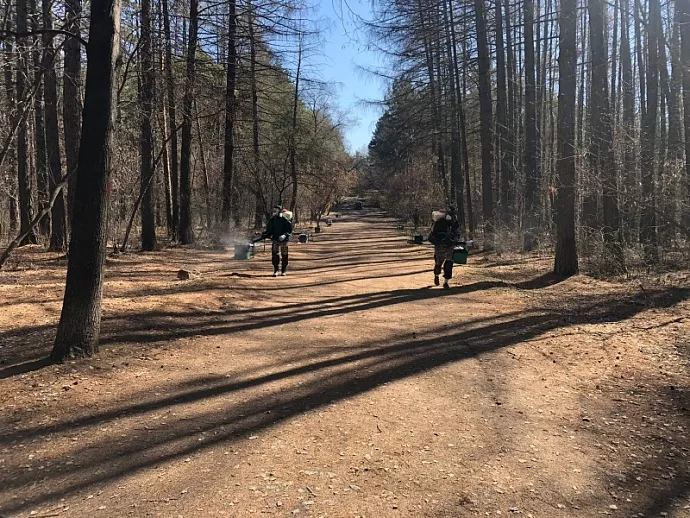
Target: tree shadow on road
{"points": [[323, 381]]}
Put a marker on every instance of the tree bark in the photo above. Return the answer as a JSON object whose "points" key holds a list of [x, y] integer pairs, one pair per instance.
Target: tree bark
{"points": [[460, 194], [628, 127], [186, 226], [684, 16], [256, 151], [148, 81], [293, 134], [161, 103], [39, 126], [80, 320], [508, 176], [648, 230], [640, 60], [465, 151], [71, 91], [172, 124], [532, 177], [204, 171], [502, 116], [566, 262], [455, 164], [434, 91], [227, 208], [601, 147], [58, 216], [23, 172], [10, 111], [614, 58], [485, 116]]}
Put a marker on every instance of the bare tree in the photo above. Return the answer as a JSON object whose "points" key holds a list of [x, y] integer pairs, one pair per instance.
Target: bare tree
{"points": [[79, 328], [186, 226], [684, 17], [648, 230], [148, 81], [485, 115], [601, 147], [23, 171], [71, 89], [58, 216], [532, 175], [229, 146], [172, 125], [566, 262]]}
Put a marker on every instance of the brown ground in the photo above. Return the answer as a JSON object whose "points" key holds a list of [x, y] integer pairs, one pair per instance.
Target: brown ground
{"points": [[349, 388]]}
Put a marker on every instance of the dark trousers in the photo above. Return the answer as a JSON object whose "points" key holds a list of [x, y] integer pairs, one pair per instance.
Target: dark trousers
{"points": [[279, 249], [443, 260]]}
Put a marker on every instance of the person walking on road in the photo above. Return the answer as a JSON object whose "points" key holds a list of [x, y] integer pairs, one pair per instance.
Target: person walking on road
{"points": [[279, 229], [444, 235]]}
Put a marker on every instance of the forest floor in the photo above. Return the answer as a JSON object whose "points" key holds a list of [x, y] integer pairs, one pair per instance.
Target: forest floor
{"points": [[350, 388]]}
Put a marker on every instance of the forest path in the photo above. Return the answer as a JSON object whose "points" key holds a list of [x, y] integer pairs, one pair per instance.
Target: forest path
{"points": [[351, 387]]}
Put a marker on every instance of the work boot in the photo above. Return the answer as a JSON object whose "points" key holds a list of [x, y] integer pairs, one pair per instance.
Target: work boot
{"points": [[436, 281]]}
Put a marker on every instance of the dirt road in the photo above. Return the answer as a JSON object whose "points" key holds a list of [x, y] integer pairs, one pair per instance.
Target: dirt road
{"points": [[350, 388]]}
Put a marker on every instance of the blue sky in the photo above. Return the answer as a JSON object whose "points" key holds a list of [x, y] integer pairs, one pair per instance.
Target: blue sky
{"points": [[344, 53]]}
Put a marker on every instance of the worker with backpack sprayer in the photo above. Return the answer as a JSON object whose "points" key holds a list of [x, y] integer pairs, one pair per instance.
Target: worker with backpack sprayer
{"points": [[279, 229], [444, 235]]}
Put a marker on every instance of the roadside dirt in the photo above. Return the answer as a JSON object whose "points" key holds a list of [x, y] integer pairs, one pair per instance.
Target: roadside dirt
{"points": [[350, 388]]}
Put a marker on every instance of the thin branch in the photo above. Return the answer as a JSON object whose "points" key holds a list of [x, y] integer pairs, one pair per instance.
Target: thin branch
{"points": [[34, 223], [5, 34]]}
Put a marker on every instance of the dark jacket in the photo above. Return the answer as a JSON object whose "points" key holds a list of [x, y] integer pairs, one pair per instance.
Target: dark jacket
{"points": [[277, 226], [444, 232]]}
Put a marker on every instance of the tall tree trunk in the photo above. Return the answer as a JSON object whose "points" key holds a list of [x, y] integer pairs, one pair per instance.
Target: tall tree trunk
{"points": [[186, 225], [227, 208], [532, 177], [670, 137], [39, 125], [601, 147], [71, 96], [437, 60], [256, 150], [167, 180], [508, 175], [162, 110], [640, 60], [204, 171], [23, 171], [580, 145], [58, 216], [172, 125], [148, 82], [566, 262], [648, 230], [10, 111], [80, 320], [628, 127], [293, 133], [614, 57], [502, 115], [684, 16], [455, 164], [676, 147], [460, 195], [465, 150], [485, 116], [542, 116], [436, 138]]}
